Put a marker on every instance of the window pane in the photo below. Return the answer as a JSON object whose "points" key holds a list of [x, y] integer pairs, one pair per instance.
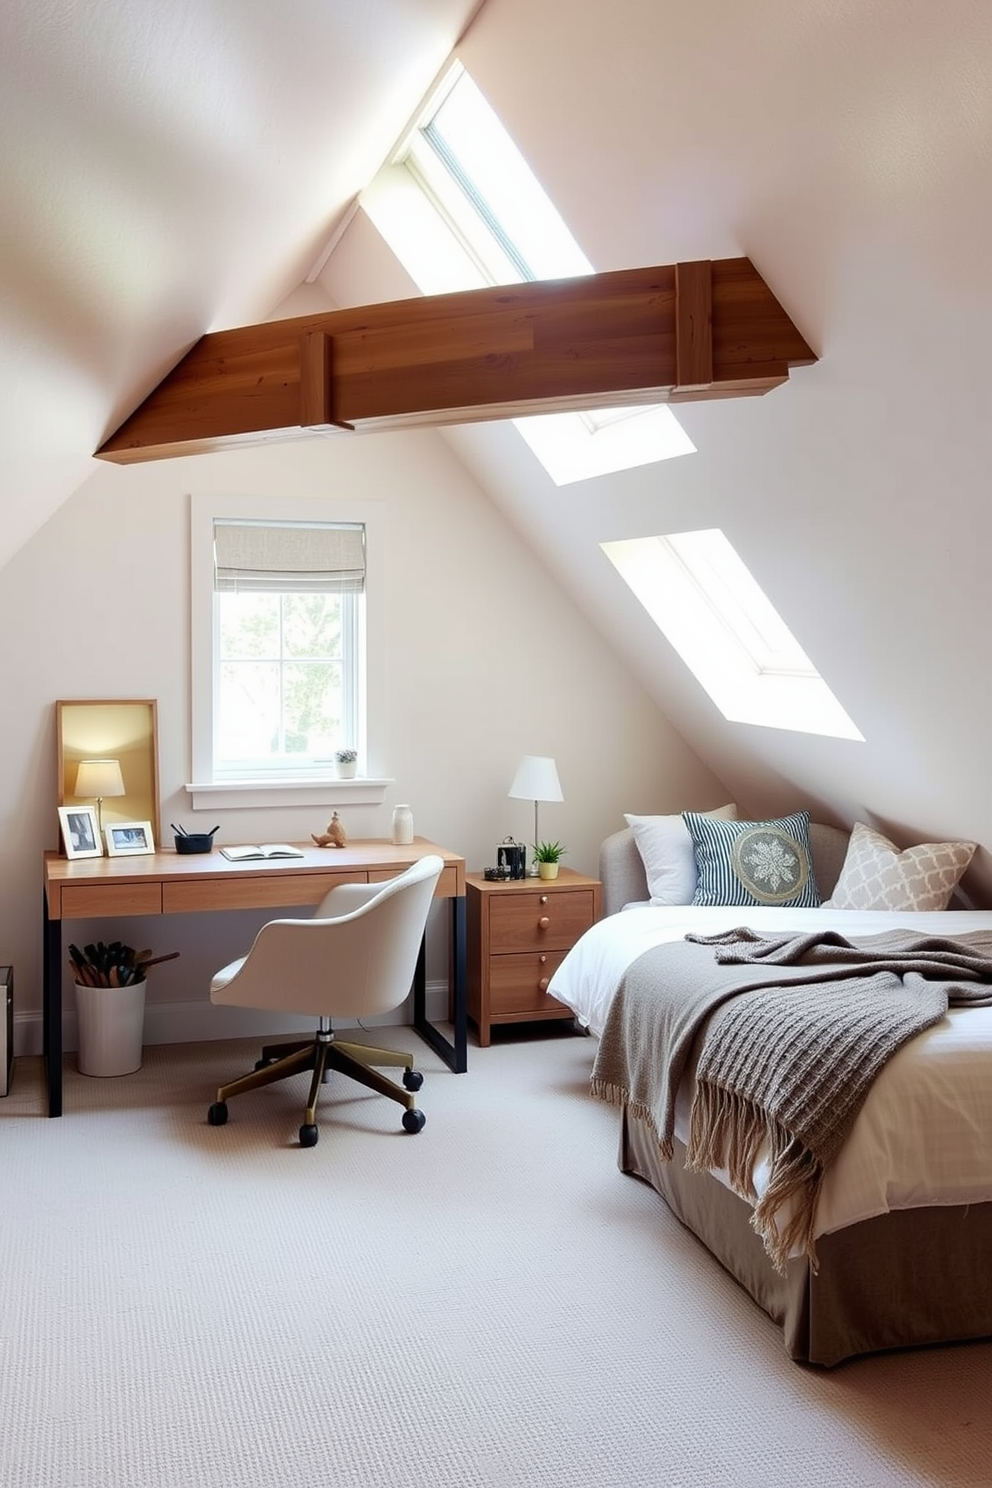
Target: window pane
{"points": [[313, 708], [312, 625], [249, 625], [284, 688], [248, 711]]}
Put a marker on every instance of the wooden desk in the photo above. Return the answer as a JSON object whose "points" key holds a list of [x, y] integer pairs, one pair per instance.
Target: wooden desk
{"points": [[165, 883]]}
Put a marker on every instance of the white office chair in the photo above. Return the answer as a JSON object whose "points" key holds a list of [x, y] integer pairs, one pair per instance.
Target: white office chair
{"points": [[354, 959]]}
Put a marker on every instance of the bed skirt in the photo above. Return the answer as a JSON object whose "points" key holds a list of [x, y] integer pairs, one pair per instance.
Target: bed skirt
{"points": [[911, 1277]]}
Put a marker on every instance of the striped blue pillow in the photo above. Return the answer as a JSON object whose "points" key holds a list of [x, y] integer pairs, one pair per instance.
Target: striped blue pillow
{"points": [[753, 862]]}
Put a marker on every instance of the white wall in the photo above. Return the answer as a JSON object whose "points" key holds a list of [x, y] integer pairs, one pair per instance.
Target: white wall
{"points": [[487, 660]]}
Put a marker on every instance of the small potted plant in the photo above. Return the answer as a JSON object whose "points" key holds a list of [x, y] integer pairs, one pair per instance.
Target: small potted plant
{"points": [[547, 856], [345, 761]]}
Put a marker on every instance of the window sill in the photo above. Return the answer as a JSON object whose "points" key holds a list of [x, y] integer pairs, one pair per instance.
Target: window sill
{"points": [[314, 791]]}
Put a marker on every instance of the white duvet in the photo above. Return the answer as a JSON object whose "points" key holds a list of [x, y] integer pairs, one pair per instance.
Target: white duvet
{"points": [[923, 1136]]}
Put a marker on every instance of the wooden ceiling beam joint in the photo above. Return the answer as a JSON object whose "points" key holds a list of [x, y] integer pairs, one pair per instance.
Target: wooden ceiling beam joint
{"points": [[693, 326], [317, 384]]}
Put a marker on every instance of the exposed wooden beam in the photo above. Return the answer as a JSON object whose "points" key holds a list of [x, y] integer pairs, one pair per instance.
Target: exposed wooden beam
{"points": [[675, 333]]}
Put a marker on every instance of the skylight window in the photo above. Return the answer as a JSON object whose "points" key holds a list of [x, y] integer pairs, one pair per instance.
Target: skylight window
{"points": [[711, 609], [492, 223], [466, 157]]}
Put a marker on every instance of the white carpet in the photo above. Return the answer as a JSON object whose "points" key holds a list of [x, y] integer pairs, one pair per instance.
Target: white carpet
{"points": [[488, 1303]]}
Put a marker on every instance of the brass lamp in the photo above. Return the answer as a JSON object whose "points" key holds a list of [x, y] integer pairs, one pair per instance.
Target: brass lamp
{"points": [[100, 778]]}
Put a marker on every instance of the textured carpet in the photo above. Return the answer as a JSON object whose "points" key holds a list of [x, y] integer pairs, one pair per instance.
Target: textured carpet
{"points": [[488, 1303]]}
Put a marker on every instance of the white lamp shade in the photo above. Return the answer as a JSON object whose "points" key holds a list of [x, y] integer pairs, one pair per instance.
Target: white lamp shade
{"points": [[536, 780], [100, 777]]}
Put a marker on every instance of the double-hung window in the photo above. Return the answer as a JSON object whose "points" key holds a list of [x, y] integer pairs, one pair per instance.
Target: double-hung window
{"points": [[280, 644], [288, 599]]}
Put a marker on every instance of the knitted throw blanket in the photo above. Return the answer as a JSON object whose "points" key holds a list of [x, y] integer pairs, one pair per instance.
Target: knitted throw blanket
{"points": [[791, 1034]]}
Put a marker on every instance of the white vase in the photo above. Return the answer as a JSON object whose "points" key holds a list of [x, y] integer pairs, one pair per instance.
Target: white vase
{"points": [[111, 1026], [345, 769], [402, 826]]}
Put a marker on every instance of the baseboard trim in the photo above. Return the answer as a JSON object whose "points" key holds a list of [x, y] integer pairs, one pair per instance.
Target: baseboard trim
{"points": [[196, 1022]]}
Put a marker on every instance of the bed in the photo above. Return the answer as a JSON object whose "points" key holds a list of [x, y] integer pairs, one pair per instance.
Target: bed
{"points": [[903, 1224]]}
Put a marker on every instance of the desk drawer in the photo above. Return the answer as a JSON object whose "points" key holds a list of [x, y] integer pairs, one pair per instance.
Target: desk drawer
{"points": [[539, 921], [447, 884], [275, 891], [96, 901]]}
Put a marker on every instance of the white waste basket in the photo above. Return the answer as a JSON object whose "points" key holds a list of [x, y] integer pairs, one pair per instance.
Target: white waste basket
{"points": [[111, 1027]]}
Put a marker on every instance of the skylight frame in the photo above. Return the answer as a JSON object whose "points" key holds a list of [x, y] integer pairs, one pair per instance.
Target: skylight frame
{"points": [[720, 643]]}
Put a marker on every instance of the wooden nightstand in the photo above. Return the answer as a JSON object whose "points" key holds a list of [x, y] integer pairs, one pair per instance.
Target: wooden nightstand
{"points": [[518, 933]]}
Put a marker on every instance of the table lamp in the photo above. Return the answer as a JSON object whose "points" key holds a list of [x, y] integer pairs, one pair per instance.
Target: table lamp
{"points": [[100, 778], [536, 780]]}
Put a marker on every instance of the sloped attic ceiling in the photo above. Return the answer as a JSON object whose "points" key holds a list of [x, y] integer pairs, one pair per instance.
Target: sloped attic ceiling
{"points": [[846, 149], [174, 169], [166, 170]]}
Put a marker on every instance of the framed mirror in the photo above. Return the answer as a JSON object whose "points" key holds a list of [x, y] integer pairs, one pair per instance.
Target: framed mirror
{"points": [[102, 733]]}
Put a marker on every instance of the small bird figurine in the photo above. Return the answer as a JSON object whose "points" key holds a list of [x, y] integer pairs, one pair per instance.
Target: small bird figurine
{"points": [[334, 836]]}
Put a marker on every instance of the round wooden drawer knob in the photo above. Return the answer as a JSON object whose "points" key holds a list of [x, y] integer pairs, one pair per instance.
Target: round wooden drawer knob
{"points": [[543, 983], [544, 922]]}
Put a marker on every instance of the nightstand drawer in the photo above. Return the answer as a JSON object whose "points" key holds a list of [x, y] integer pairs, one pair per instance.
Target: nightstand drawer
{"points": [[540, 921], [517, 984]]}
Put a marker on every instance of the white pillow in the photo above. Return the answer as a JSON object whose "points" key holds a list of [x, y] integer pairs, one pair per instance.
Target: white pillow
{"points": [[667, 853], [876, 875]]}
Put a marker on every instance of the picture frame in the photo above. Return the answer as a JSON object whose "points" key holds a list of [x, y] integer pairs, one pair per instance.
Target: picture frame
{"points": [[80, 832], [129, 839]]}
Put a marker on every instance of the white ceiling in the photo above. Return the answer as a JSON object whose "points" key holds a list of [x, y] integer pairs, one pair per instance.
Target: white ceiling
{"points": [[172, 169], [167, 169]]}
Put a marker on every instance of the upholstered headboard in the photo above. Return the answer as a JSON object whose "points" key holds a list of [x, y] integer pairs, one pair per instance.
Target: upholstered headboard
{"points": [[621, 867]]}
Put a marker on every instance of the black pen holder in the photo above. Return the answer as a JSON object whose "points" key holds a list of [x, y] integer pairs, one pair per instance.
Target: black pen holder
{"points": [[194, 842]]}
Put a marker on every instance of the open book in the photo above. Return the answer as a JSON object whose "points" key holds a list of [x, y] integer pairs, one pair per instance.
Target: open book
{"points": [[263, 850]]}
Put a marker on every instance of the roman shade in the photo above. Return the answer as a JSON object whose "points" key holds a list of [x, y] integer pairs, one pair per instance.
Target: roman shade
{"points": [[289, 557]]}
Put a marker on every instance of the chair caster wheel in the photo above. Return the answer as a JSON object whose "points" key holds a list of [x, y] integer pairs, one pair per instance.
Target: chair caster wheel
{"points": [[217, 1115], [414, 1121], [412, 1079], [308, 1135]]}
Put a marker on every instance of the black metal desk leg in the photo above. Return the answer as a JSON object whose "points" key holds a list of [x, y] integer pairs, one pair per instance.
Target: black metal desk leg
{"points": [[459, 962], [455, 1055], [51, 1009]]}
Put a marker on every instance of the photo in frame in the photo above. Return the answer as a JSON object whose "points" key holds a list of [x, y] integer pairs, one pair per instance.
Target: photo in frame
{"points": [[80, 832], [129, 839]]}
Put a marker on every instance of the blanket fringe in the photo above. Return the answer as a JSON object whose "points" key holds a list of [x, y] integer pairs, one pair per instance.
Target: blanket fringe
{"points": [[729, 1131], [618, 1095]]}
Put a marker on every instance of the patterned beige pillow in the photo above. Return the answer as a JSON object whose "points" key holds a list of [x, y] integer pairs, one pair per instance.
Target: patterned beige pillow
{"points": [[876, 875]]}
